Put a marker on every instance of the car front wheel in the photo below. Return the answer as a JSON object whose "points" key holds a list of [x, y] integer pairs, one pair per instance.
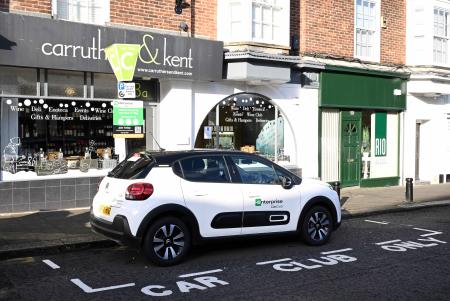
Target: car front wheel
{"points": [[167, 241], [317, 226]]}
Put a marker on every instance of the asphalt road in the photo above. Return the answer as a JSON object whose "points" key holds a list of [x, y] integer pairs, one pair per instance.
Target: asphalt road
{"points": [[401, 256]]}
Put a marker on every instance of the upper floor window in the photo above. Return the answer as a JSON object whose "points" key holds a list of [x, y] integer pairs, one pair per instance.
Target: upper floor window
{"points": [[367, 30], [262, 21], [86, 11], [441, 36]]}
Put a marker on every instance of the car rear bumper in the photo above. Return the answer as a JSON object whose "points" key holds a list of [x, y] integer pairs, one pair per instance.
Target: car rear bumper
{"points": [[118, 230]]}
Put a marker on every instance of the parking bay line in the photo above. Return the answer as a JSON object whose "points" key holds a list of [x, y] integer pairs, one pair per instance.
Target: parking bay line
{"points": [[87, 289], [387, 242], [51, 264], [376, 222], [273, 261], [200, 273]]}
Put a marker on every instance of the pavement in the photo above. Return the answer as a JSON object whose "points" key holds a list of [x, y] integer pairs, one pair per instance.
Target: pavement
{"points": [[45, 232]]}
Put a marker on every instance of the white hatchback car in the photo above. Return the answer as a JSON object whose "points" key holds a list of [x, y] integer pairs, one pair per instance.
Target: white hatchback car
{"points": [[165, 201]]}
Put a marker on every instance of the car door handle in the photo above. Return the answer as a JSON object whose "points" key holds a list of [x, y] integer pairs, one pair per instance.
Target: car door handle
{"points": [[200, 194], [278, 218]]}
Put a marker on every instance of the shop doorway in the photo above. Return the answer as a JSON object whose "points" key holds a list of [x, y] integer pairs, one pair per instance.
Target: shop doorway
{"points": [[350, 167], [150, 141]]}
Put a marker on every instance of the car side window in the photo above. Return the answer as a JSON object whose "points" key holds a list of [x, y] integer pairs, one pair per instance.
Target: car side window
{"points": [[205, 169], [254, 171]]}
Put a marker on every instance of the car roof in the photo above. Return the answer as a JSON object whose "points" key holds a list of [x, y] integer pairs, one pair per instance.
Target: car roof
{"points": [[168, 157]]}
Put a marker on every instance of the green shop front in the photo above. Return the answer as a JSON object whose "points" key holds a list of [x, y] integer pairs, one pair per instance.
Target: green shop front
{"points": [[359, 126]]}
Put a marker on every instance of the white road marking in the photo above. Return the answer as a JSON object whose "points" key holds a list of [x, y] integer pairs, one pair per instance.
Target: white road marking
{"points": [[431, 232], [336, 251], [387, 242], [50, 264], [273, 261], [200, 273], [87, 289], [375, 222]]}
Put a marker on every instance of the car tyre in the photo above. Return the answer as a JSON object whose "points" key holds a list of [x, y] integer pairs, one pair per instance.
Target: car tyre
{"points": [[167, 241], [317, 226]]}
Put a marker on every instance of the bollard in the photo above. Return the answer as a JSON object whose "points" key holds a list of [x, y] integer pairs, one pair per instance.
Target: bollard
{"points": [[337, 187], [409, 190]]}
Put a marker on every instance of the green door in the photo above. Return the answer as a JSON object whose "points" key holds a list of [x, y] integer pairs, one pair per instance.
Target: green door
{"points": [[350, 163]]}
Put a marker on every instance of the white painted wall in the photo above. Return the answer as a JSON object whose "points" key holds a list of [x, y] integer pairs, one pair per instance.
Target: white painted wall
{"points": [[420, 30], [434, 137], [184, 105]]}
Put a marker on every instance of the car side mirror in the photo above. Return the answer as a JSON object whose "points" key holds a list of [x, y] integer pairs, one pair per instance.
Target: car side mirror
{"points": [[286, 182]]}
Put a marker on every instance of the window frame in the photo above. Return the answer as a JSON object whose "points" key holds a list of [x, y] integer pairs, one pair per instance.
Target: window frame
{"points": [[228, 176], [104, 10], [443, 39], [256, 159], [376, 32], [225, 18]]}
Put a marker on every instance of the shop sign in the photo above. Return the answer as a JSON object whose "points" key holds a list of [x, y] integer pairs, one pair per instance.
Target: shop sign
{"points": [[380, 134], [123, 58], [57, 44], [126, 90], [128, 119]]}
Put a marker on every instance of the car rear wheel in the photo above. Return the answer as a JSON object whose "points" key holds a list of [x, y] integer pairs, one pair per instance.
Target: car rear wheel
{"points": [[167, 241], [317, 226]]}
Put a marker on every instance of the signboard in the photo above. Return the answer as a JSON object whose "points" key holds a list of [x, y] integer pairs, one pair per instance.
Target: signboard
{"points": [[123, 58], [126, 90], [57, 44], [128, 119], [380, 134], [207, 132]]}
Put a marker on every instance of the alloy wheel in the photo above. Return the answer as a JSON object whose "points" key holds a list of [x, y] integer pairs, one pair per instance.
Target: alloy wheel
{"points": [[168, 241], [319, 226]]}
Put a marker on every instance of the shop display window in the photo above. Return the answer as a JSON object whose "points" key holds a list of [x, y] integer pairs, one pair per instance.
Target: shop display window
{"points": [[47, 136], [18, 81], [250, 123], [379, 144], [65, 83]]}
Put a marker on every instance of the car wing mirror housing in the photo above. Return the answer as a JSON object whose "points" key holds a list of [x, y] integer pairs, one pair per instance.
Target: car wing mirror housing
{"points": [[286, 182]]}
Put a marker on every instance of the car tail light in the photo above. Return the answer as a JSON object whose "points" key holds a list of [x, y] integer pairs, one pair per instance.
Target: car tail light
{"points": [[139, 191]]}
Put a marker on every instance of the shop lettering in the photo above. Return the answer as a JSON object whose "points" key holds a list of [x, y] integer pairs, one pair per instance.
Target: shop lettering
{"points": [[94, 52], [37, 117], [58, 110], [380, 147], [91, 118], [168, 60], [17, 109]]}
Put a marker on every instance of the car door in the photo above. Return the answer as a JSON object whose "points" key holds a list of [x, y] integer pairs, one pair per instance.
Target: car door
{"points": [[268, 206], [211, 195]]}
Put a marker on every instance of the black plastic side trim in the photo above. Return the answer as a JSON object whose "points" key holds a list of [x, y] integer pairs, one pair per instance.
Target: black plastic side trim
{"points": [[227, 220]]}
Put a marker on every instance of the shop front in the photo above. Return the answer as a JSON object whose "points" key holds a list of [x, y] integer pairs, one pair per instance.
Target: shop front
{"points": [[248, 122], [361, 116], [61, 128]]}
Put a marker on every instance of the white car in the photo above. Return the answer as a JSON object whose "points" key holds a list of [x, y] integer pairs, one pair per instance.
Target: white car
{"points": [[165, 201]]}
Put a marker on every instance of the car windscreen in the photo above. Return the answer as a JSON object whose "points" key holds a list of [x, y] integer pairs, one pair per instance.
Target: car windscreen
{"points": [[135, 166]]}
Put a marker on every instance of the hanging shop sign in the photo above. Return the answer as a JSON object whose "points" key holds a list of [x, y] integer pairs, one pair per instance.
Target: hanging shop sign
{"points": [[123, 58], [380, 134], [128, 119], [57, 44]]}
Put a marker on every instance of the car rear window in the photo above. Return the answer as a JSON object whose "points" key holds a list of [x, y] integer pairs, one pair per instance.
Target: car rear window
{"points": [[135, 166]]}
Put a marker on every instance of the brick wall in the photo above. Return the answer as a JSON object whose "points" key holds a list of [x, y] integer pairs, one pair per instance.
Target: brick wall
{"points": [[327, 27], [295, 21], [34, 6], [201, 16], [393, 38]]}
